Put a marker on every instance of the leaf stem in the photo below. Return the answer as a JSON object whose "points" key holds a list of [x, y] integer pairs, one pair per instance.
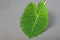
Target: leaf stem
{"points": [[45, 2]]}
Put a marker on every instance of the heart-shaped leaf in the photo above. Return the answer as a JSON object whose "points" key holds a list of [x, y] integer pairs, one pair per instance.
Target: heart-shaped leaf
{"points": [[34, 20]]}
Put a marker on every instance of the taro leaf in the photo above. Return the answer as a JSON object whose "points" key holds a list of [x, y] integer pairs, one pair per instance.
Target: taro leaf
{"points": [[34, 20]]}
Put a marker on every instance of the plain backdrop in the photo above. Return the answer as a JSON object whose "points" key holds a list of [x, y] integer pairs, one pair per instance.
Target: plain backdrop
{"points": [[12, 10]]}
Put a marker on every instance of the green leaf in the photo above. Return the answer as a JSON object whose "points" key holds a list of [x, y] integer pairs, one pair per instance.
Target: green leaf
{"points": [[34, 20]]}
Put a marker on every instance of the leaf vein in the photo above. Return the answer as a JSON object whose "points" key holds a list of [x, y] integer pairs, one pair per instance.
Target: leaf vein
{"points": [[35, 21]]}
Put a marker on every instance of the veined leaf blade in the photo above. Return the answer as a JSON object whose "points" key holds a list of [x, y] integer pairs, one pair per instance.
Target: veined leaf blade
{"points": [[34, 20]]}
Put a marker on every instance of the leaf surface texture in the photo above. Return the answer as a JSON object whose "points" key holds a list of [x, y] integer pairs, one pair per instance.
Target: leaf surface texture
{"points": [[34, 19]]}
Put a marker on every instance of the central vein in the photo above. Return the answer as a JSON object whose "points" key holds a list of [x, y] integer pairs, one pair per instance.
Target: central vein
{"points": [[35, 22]]}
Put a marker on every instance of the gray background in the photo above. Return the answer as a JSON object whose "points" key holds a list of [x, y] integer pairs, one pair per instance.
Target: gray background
{"points": [[11, 11]]}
